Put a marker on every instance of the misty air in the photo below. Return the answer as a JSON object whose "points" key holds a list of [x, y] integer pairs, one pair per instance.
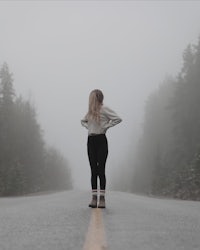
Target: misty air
{"points": [[99, 125]]}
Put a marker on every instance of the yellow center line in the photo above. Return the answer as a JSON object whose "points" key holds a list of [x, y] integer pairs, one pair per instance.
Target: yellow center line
{"points": [[95, 239]]}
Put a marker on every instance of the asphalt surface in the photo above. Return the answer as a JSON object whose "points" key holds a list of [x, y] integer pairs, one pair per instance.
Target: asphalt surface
{"points": [[61, 220]]}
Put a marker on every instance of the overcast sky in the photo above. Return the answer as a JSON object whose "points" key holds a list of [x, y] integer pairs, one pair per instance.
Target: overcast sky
{"points": [[59, 51]]}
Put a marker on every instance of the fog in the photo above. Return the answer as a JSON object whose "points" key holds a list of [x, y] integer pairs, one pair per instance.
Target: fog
{"points": [[58, 51]]}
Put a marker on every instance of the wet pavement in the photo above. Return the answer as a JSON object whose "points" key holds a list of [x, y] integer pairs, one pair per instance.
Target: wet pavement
{"points": [[61, 220]]}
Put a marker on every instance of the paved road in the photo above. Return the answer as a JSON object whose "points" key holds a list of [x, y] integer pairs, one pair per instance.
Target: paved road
{"points": [[61, 221], [139, 223]]}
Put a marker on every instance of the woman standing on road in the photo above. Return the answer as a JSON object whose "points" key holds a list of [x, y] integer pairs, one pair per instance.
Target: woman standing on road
{"points": [[98, 120]]}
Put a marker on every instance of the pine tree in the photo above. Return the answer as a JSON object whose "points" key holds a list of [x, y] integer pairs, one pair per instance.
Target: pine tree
{"points": [[7, 155]]}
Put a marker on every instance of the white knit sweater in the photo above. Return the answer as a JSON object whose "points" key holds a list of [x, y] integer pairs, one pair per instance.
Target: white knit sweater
{"points": [[108, 118]]}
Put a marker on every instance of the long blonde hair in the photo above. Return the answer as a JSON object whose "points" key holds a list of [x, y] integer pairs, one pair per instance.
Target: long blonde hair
{"points": [[95, 103]]}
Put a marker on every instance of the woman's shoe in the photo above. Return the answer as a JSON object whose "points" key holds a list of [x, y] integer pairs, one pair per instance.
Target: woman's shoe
{"points": [[102, 203], [93, 203]]}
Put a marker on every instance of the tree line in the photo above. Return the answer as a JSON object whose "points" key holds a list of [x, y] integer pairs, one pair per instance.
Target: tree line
{"points": [[27, 164], [168, 155], [166, 161]]}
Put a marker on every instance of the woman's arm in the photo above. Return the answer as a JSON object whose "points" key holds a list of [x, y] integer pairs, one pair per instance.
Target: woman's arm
{"points": [[113, 118], [84, 122]]}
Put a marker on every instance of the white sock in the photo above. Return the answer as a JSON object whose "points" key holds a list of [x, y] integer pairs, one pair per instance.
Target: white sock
{"points": [[102, 192], [94, 192]]}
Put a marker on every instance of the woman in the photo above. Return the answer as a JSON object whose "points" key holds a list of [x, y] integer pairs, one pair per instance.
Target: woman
{"points": [[98, 120]]}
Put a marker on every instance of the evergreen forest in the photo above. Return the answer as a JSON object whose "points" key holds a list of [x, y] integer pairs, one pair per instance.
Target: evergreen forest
{"points": [[27, 164], [167, 162]]}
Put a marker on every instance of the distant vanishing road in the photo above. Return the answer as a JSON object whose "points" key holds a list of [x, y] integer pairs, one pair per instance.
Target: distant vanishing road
{"points": [[63, 221]]}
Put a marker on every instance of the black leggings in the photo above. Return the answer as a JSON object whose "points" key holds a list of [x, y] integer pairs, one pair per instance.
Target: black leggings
{"points": [[97, 147]]}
